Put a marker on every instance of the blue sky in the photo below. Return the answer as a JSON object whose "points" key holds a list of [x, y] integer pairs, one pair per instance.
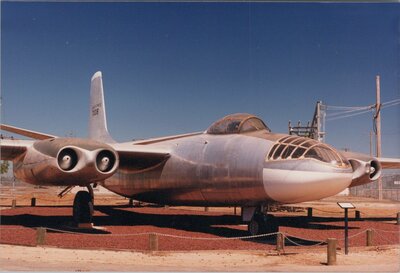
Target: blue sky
{"points": [[173, 68]]}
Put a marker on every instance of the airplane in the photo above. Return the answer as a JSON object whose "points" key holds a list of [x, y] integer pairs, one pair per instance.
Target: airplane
{"points": [[237, 161]]}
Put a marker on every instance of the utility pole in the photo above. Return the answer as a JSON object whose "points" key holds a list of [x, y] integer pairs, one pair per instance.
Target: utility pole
{"points": [[318, 120], [370, 143], [378, 129]]}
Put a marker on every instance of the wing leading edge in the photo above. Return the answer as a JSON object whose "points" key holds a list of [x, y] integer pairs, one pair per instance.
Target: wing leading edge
{"points": [[12, 149], [134, 158], [389, 163], [25, 132]]}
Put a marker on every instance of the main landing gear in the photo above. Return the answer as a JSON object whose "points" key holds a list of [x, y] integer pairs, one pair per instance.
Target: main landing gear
{"points": [[259, 221], [82, 211]]}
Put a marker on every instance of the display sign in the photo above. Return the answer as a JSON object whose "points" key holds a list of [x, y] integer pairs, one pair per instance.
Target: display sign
{"points": [[346, 205]]}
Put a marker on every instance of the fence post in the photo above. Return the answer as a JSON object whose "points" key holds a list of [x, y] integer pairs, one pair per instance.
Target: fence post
{"points": [[398, 218], [280, 242], [130, 202], [331, 251], [358, 217], [205, 208], [153, 242], [40, 236], [33, 202], [234, 210], [309, 213], [369, 237], [14, 204]]}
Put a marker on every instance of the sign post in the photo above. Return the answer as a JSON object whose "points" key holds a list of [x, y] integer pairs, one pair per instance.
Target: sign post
{"points": [[346, 207]]}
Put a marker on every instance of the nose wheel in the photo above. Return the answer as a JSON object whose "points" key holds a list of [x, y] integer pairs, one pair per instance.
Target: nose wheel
{"points": [[82, 211], [262, 223]]}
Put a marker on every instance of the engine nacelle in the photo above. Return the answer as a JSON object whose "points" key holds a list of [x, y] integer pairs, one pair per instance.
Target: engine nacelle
{"points": [[67, 161], [365, 169]]}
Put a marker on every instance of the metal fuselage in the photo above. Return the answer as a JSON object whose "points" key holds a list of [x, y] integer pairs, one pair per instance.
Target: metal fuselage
{"points": [[236, 162], [228, 170]]}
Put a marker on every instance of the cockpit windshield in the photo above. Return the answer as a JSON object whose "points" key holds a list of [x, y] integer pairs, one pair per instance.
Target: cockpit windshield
{"points": [[237, 124]]}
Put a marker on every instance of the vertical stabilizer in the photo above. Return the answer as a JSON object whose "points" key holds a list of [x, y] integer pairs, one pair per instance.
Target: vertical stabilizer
{"points": [[97, 116]]}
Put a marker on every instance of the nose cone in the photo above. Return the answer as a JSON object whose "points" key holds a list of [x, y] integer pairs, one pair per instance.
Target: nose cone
{"points": [[296, 181]]}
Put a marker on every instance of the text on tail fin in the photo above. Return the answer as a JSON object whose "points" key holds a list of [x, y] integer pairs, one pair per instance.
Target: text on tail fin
{"points": [[97, 113]]}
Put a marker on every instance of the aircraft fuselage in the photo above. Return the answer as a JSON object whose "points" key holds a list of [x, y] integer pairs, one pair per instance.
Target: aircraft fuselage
{"points": [[221, 170]]}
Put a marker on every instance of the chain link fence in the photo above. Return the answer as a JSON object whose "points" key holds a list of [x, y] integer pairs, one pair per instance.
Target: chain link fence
{"points": [[389, 194], [390, 188]]}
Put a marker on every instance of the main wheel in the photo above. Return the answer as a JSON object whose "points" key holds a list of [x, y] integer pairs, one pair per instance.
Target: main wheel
{"points": [[83, 208]]}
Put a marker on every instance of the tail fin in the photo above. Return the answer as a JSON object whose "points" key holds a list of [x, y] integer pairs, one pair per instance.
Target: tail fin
{"points": [[97, 116]]}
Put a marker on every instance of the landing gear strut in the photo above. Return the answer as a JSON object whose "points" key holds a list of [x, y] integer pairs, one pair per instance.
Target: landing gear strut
{"points": [[261, 222], [82, 211]]}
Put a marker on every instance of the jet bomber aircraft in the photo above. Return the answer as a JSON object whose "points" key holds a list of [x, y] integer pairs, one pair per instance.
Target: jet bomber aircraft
{"points": [[237, 161]]}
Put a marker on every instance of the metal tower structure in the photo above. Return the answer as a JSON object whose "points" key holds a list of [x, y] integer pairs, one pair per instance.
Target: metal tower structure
{"points": [[314, 129]]}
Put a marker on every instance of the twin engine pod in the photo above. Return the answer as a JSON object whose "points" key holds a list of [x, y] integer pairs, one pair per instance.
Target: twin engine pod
{"points": [[71, 159], [67, 161], [365, 168], [365, 171]]}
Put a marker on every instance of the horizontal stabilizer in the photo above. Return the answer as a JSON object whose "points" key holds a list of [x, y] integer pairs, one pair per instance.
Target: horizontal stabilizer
{"points": [[24, 132]]}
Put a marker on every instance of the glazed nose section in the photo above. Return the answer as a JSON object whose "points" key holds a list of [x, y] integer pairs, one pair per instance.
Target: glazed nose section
{"points": [[300, 181], [299, 169], [293, 147]]}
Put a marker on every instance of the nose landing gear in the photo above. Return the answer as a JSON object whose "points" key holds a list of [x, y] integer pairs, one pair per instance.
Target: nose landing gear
{"points": [[260, 221], [262, 224]]}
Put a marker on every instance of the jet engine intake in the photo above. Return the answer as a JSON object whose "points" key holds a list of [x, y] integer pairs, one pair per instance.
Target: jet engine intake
{"points": [[365, 171], [67, 161], [105, 161], [375, 170]]}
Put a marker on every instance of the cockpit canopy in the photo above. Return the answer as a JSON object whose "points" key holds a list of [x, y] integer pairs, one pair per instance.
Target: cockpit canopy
{"points": [[237, 124]]}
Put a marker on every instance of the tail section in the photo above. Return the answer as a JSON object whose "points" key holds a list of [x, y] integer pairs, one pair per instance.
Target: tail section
{"points": [[97, 116]]}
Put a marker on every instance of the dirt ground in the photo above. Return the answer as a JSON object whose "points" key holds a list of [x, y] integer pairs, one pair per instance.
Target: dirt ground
{"points": [[18, 258], [114, 252]]}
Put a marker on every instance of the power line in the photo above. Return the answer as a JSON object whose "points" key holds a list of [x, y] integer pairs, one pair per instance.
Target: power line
{"points": [[350, 115], [346, 112], [340, 108], [350, 111], [391, 101]]}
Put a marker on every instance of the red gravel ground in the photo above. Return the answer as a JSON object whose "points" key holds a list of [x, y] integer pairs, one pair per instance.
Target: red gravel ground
{"points": [[123, 226]]}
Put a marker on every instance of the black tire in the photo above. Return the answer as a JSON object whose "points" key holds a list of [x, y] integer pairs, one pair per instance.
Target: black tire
{"points": [[82, 211], [253, 227], [263, 224], [272, 224]]}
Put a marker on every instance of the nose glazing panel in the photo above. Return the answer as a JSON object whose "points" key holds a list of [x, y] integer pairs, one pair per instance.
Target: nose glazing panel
{"points": [[293, 147]]}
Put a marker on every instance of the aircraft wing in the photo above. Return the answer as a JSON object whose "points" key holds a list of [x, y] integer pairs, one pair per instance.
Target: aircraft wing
{"points": [[12, 149], [25, 132], [161, 139], [134, 156], [138, 157], [389, 163], [386, 163]]}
